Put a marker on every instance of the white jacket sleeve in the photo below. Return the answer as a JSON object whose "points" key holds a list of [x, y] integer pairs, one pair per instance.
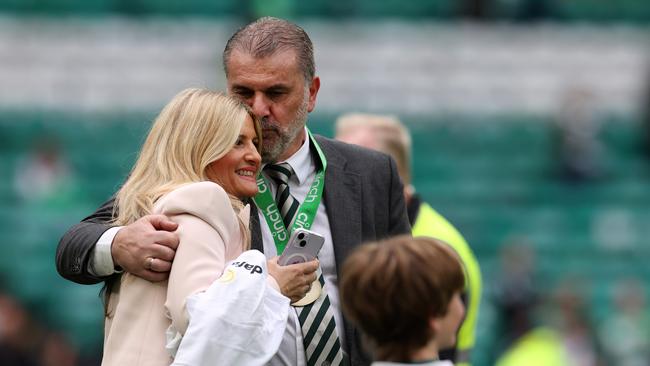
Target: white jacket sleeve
{"points": [[238, 320]]}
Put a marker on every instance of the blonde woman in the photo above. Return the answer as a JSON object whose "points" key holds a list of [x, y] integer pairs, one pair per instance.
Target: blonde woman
{"points": [[197, 166]]}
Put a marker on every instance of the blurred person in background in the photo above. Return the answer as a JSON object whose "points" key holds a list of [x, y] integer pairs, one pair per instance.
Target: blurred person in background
{"points": [[515, 295], [388, 135], [404, 294], [57, 351], [523, 336], [269, 65], [44, 177], [26, 342], [625, 333], [198, 164], [575, 325], [579, 149], [19, 335], [557, 332]]}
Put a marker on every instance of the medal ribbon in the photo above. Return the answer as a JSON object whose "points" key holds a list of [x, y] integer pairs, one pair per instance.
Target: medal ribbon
{"points": [[307, 210]]}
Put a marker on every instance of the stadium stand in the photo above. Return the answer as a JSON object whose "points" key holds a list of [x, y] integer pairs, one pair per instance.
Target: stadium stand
{"points": [[558, 10], [478, 97]]}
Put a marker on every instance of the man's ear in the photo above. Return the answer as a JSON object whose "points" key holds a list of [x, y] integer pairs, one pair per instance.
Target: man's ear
{"points": [[314, 86]]}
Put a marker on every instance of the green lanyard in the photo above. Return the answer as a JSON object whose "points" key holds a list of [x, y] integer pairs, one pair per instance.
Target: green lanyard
{"points": [[306, 212]]}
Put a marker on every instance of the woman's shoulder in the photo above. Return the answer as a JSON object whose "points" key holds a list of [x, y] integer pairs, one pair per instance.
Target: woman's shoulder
{"points": [[205, 200]]}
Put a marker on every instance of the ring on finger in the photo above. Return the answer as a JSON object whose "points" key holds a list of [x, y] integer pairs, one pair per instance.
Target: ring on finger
{"points": [[149, 263]]}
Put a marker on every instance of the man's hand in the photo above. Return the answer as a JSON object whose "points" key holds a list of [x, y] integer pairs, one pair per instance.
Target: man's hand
{"points": [[294, 280], [146, 248]]}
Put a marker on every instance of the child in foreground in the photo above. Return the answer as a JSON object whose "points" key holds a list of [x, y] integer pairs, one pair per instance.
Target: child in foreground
{"points": [[404, 295]]}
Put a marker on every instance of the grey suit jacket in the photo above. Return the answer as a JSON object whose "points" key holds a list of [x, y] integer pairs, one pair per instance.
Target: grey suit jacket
{"points": [[363, 195]]}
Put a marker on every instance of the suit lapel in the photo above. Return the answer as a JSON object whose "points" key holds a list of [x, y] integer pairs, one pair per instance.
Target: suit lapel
{"points": [[342, 198]]}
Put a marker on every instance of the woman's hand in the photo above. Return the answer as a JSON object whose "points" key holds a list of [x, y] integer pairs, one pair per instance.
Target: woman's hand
{"points": [[294, 280]]}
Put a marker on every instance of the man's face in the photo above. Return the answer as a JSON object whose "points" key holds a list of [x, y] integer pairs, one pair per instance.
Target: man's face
{"points": [[274, 87]]}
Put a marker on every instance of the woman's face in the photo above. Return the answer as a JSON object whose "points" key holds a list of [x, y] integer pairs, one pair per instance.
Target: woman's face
{"points": [[237, 171]]}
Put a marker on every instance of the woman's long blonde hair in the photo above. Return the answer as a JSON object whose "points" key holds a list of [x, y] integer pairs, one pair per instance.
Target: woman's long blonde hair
{"points": [[197, 127]]}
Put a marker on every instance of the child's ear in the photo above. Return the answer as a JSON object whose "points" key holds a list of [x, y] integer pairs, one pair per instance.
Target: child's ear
{"points": [[434, 324]]}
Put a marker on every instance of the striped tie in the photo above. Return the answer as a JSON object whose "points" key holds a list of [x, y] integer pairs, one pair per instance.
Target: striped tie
{"points": [[288, 206], [319, 337], [321, 342]]}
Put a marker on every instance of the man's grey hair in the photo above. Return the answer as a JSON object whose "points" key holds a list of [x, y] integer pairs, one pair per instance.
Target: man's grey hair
{"points": [[266, 36]]}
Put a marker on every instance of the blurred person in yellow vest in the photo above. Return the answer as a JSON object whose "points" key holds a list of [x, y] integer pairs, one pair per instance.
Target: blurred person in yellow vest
{"points": [[540, 346], [388, 135]]}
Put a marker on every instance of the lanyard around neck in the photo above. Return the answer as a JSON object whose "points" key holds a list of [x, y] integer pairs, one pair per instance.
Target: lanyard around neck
{"points": [[307, 210]]}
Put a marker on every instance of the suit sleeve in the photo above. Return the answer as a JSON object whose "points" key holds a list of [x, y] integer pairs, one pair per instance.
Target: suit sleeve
{"points": [[76, 246], [399, 222]]}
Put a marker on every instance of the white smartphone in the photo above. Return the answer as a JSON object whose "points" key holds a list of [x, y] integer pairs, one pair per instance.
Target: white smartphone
{"points": [[303, 246]]}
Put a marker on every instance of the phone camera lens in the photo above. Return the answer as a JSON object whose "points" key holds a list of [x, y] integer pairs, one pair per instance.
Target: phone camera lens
{"points": [[303, 243], [301, 236]]}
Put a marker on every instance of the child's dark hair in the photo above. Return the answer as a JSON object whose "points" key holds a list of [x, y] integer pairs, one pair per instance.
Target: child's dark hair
{"points": [[392, 288]]}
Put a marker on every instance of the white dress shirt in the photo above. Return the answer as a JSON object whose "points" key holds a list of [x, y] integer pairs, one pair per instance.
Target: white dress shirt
{"points": [[101, 263], [291, 350]]}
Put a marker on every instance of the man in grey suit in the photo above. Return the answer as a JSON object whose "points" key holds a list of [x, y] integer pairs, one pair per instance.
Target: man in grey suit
{"points": [[269, 65]]}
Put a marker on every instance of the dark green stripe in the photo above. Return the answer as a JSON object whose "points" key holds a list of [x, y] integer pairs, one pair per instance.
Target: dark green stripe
{"points": [[278, 178], [291, 213], [281, 197], [333, 352], [305, 313], [321, 343], [319, 317], [280, 169]]}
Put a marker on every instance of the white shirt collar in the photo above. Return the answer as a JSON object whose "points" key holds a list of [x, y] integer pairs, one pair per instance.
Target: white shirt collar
{"points": [[301, 161]]}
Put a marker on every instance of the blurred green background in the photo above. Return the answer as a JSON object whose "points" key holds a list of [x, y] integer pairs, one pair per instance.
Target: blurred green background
{"points": [[529, 122]]}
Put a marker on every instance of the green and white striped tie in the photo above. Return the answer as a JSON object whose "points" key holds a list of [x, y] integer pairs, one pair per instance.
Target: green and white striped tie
{"points": [[287, 204], [322, 345]]}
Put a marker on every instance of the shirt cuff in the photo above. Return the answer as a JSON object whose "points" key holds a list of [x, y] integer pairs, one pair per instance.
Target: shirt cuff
{"points": [[102, 264]]}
